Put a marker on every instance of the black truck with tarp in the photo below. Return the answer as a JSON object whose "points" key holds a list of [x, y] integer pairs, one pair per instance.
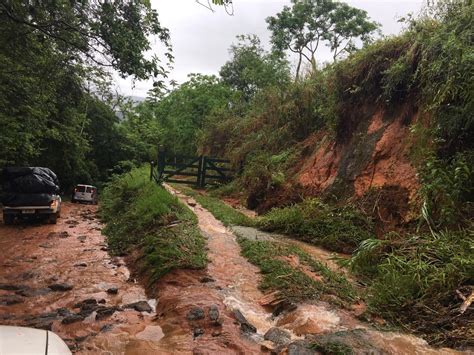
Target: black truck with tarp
{"points": [[30, 192]]}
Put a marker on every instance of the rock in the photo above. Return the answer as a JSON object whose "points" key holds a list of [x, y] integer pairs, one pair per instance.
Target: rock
{"points": [[104, 312], [104, 249], [206, 279], [300, 347], [216, 333], [214, 314], [106, 328], [278, 336], [62, 287], [87, 301], [9, 300], [81, 264], [27, 275], [72, 319], [87, 306], [195, 313], [81, 238], [245, 326], [355, 341], [140, 306], [112, 290], [63, 312], [42, 321], [33, 292], [284, 307], [197, 332], [101, 301], [191, 202]]}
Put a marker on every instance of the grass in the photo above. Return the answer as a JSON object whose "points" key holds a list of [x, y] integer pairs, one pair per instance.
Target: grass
{"points": [[142, 215], [413, 282], [291, 282], [337, 229], [223, 212]]}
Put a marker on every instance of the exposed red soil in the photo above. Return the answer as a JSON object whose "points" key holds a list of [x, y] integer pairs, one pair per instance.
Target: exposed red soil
{"points": [[386, 167], [389, 165]]}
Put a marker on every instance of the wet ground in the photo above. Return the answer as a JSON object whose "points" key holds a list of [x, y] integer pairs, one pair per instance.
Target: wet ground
{"points": [[61, 277]]}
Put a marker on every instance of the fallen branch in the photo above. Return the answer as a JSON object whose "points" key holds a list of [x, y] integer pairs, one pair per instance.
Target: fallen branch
{"points": [[467, 301]]}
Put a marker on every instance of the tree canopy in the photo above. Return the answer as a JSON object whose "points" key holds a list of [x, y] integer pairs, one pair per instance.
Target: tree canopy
{"points": [[251, 68], [302, 27]]}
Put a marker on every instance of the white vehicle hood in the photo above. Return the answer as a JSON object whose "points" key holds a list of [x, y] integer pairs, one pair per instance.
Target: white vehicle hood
{"points": [[20, 340]]}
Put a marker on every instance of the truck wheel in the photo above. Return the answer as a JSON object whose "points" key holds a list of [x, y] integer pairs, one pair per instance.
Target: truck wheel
{"points": [[53, 218], [8, 219]]}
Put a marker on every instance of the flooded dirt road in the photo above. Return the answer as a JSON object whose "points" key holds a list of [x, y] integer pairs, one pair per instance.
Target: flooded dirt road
{"points": [[61, 277]]}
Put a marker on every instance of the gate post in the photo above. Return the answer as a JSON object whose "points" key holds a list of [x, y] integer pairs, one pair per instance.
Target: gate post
{"points": [[161, 163], [201, 180]]}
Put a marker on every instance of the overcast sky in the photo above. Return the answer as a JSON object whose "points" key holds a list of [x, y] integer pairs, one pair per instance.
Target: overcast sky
{"points": [[201, 38]]}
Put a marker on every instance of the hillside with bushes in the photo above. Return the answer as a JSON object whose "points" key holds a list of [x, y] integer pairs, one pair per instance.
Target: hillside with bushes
{"points": [[371, 155]]}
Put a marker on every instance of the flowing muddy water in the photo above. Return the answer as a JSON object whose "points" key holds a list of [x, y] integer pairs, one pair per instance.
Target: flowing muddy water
{"points": [[238, 280], [71, 257]]}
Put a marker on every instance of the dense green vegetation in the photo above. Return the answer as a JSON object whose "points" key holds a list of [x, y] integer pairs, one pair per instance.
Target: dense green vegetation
{"points": [[340, 229], [143, 216], [56, 105]]}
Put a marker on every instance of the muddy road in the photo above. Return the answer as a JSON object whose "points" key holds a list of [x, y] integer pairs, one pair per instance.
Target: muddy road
{"points": [[61, 277]]}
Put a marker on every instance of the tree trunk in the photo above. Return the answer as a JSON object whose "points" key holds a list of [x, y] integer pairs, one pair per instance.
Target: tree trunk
{"points": [[313, 64], [298, 68]]}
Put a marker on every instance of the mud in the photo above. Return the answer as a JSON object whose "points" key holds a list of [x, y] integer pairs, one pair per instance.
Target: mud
{"points": [[93, 303], [236, 285], [72, 255]]}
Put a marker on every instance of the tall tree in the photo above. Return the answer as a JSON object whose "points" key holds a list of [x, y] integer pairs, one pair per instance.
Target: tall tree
{"points": [[251, 68], [302, 27]]}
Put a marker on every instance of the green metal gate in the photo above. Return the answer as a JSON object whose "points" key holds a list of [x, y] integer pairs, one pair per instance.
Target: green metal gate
{"points": [[195, 170]]}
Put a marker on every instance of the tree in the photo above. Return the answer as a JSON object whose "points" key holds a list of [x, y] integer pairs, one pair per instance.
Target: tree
{"points": [[103, 33], [347, 25], [251, 68], [302, 27], [51, 53]]}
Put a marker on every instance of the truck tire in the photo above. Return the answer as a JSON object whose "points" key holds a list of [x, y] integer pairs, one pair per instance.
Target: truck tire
{"points": [[53, 218], [8, 219]]}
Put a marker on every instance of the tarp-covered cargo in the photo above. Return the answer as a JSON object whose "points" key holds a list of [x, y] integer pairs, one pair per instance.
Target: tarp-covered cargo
{"points": [[29, 180]]}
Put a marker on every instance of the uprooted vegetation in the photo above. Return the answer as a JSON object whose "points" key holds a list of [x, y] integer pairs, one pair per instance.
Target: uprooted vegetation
{"points": [[292, 272], [143, 217]]}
